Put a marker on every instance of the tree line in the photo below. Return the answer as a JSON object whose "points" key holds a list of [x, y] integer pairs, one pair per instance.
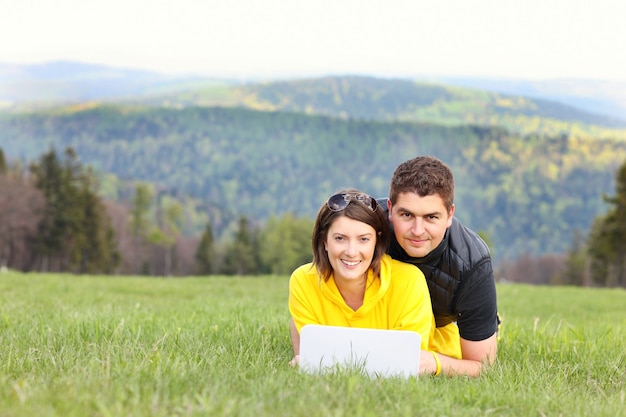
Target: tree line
{"points": [[52, 219], [597, 257], [528, 192]]}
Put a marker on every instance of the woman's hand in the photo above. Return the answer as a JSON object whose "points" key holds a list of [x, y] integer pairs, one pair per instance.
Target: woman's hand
{"points": [[295, 361]]}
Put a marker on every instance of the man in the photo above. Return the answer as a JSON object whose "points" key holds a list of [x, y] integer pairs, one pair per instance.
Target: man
{"points": [[454, 259]]}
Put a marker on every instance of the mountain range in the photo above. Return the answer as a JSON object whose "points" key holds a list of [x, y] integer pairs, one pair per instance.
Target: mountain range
{"points": [[70, 82], [530, 172]]}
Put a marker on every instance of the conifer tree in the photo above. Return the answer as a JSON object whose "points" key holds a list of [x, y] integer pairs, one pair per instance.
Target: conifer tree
{"points": [[172, 218], [97, 251], [75, 233], [3, 163], [53, 228], [205, 254], [241, 256], [607, 240], [139, 222]]}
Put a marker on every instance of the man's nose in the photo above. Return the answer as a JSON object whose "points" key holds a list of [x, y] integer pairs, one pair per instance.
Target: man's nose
{"points": [[418, 226]]}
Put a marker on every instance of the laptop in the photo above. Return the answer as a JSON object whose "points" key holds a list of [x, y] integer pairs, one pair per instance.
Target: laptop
{"points": [[375, 352]]}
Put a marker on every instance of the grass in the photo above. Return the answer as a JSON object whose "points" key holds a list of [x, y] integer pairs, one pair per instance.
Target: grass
{"points": [[219, 346]]}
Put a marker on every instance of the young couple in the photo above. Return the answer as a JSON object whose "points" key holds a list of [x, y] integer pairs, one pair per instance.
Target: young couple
{"points": [[403, 263]]}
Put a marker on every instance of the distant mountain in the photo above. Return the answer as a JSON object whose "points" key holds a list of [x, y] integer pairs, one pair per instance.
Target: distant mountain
{"points": [[399, 100], [529, 171], [370, 98], [71, 82], [594, 96], [519, 105]]}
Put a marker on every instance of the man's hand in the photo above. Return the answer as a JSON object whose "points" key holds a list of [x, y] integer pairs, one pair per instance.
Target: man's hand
{"points": [[428, 365], [476, 356]]}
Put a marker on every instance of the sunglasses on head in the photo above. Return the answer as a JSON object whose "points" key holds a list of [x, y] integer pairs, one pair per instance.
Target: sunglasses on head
{"points": [[340, 201]]}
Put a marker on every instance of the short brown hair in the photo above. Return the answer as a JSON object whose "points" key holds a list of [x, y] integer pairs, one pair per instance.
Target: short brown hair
{"points": [[423, 175], [355, 210]]}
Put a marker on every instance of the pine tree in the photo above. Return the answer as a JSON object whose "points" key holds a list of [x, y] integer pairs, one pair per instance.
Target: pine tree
{"points": [[241, 256], [139, 222], [3, 164], [97, 251], [53, 229], [75, 233], [607, 239], [172, 218], [205, 255]]}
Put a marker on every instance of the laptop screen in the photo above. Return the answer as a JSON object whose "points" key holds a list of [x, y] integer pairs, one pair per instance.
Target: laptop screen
{"points": [[376, 352]]}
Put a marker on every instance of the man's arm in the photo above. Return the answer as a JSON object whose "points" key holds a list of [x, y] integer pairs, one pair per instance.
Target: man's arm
{"points": [[476, 356], [478, 317]]}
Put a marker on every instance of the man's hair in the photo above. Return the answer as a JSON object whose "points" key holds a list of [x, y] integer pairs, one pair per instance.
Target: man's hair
{"points": [[423, 175], [355, 210]]}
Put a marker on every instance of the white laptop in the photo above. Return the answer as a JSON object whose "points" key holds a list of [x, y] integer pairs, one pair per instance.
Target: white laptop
{"points": [[374, 351]]}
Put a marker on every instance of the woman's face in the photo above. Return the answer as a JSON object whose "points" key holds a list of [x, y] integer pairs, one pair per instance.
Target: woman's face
{"points": [[350, 245]]}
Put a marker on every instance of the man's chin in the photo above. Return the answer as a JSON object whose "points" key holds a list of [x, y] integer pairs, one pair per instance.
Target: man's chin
{"points": [[416, 252]]}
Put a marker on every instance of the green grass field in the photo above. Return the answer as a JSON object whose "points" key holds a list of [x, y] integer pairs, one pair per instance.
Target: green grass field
{"points": [[219, 346]]}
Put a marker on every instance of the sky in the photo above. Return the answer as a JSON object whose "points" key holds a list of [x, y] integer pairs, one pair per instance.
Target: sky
{"points": [[530, 39]]}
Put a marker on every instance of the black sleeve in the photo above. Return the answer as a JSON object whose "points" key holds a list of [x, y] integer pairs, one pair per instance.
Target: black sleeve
{"points": [[477, 306]]}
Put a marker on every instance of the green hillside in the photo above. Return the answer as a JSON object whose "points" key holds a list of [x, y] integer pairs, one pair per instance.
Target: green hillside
{"points": [[353, 97], [529, 193]]}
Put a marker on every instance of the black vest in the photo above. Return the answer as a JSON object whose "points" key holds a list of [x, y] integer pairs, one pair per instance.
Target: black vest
{"points": [[459, 253]]}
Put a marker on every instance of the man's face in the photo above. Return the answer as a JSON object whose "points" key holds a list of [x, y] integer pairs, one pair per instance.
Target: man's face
{"points": [[419, 223]]}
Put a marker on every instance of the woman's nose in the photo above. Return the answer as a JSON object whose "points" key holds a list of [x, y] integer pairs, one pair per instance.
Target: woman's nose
{"points": [[351, 249]]}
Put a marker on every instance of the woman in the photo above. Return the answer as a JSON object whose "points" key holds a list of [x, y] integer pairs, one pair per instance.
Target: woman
{"points": [[351, 281]]}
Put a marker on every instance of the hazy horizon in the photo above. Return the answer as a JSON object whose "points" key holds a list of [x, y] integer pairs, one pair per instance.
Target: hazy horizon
{"points": [[496, 39]]}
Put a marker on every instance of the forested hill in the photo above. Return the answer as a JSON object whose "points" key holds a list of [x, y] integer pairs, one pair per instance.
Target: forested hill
{"points": [[360, 97], [368, 98], [529, 193]]}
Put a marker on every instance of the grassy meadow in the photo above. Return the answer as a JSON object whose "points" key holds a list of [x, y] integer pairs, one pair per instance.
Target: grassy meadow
{"points": [[219, 346]]}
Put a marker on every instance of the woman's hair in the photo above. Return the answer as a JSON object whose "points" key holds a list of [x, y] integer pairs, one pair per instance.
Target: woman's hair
{"points": [[357, 206]]}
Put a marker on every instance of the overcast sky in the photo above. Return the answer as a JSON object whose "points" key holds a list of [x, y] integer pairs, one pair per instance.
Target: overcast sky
{"points": [[532, 39]]}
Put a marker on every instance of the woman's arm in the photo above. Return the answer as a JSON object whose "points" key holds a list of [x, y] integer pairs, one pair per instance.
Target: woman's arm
{"points": [[295, 343]]}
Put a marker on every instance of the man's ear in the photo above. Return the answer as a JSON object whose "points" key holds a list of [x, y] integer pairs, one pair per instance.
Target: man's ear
{"points": [[389, 208], [450, 215]]}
